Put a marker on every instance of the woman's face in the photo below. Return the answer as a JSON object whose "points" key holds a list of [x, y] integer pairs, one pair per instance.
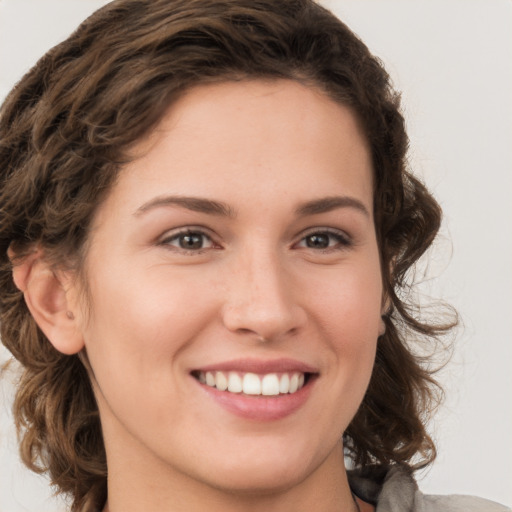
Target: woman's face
{"points": [[238, 249]]}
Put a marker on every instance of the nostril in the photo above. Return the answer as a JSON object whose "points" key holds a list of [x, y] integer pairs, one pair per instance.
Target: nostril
{"points": [[266, 317]]}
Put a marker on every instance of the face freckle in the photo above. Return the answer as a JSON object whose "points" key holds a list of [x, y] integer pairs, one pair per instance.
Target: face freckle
{"points": [[240, 241]]}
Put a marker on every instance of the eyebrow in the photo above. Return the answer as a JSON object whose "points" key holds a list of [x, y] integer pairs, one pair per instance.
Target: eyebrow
{"points": [[327, 204], [196, 204], [212, 207]]}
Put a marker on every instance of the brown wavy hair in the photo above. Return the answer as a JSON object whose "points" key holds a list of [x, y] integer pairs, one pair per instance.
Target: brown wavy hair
{"points": [[64, 134]]}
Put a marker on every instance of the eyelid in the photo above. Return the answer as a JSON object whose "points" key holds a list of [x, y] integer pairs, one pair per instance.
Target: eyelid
{"points": [[345, 240], [164, 240]]}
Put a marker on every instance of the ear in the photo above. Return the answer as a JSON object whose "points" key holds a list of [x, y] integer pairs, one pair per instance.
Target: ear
{"points": [[382, 326], [384, 312], [49, 297], [386, 302]]}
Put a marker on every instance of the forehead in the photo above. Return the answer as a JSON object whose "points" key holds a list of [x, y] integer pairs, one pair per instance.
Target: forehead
{"points": [[268, 137], [262, 107]]}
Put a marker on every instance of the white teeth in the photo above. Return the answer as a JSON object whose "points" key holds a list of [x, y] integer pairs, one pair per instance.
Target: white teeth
{"points": [[234, 383], [284, 383], [270, 384], [210, 379], [251, 384], [221, 382], [294, 383]]}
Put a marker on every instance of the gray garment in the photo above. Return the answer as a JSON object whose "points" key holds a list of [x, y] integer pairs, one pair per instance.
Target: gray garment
{"points": [[395, 490]]}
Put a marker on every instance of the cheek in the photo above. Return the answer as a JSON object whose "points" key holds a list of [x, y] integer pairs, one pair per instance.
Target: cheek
{"points": [[139, 327], [348, 313], [348, 303], [140, 321]]}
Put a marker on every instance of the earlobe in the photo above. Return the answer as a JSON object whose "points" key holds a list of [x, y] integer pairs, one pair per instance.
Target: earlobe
{"points": [[385, 311], [382, 326], [47, 300]]}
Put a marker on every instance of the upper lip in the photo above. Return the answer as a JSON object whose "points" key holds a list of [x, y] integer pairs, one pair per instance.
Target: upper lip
{"points": [[260, 366]]}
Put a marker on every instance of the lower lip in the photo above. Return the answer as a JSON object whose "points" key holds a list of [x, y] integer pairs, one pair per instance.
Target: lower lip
{"points": [[260, 408]]}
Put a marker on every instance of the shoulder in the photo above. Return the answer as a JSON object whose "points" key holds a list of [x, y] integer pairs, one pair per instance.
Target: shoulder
{"points": [[393, 489], [456, 503]]}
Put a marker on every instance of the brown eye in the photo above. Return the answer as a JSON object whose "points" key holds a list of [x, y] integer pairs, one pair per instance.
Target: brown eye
{"points": [[191, 241], [325, 240], [317, 241]]}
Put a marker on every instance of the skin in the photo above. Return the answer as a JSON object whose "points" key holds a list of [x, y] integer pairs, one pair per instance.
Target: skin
{"points": [[258, 288]]}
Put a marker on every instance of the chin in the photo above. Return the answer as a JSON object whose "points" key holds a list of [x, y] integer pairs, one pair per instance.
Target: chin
{"points": [[266, 472], [259, 481]]}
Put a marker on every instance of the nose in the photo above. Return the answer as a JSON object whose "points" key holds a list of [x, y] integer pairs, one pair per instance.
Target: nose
{"points": [[262, 300]]}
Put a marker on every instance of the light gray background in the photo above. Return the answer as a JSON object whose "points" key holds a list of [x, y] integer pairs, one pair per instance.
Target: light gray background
{"points": [[452, 59]]}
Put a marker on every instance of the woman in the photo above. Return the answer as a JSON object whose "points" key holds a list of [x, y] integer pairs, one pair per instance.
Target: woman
{"points": [[206, 227]]}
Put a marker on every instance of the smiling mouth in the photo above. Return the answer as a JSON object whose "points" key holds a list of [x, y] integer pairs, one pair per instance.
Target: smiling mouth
{"points": [[253, 384]]}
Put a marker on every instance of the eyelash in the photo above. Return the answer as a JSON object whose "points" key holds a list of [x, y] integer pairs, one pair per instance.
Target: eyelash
{"points": [[184, 232], [342, 240]]}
